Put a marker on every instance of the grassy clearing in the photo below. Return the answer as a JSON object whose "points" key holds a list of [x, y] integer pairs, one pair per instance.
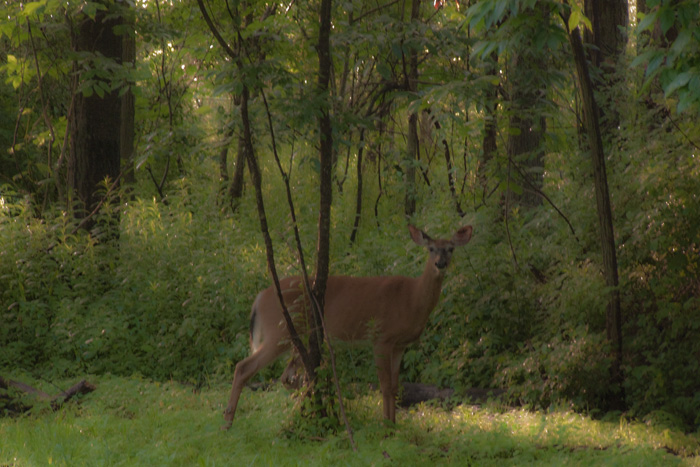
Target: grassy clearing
{"points": [[130, 421]]}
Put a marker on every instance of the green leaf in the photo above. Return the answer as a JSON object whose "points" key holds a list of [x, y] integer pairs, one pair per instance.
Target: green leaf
{"points": [[643, 58], [654, 63], [574, 19], [384, 71], [91, 8], [647, 21], [679, 81], [681, 42], [33, 7], [667, 16]]}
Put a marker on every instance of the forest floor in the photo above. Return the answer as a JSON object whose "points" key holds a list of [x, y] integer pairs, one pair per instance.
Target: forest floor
{"points": [[134, 421]]}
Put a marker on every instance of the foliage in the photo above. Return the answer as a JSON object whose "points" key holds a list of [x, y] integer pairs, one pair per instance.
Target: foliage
{"points": [[676, 66]]}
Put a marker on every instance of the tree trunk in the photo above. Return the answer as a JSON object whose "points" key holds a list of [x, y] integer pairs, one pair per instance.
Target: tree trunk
{"points": [[358, 195], [98, 141], [524, 149], [608, 21], [488, 143], [127, 115], [613, 317], [527, 126], [223, 155], [450, 171], [326, 174], [256, 180], [235, 190], [412, 148]]}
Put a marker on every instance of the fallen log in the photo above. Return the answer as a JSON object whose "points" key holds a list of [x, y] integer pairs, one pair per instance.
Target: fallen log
{"points": [[14, 406], [415, 393]]}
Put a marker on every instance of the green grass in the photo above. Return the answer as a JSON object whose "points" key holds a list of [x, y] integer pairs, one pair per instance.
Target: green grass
{"points": [[131, 421]]}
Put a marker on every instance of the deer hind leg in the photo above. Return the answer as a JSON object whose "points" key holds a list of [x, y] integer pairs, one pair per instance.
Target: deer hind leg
{"points": [[245, 369]]}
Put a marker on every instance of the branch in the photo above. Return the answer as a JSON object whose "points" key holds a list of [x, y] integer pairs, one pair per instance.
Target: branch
{"points": [[219, 38], [543, 195], [687, 138], [83, 387], [507, 210]]}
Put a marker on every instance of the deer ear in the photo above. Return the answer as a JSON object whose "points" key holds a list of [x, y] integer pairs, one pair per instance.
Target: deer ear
{"points": [[462, 236], [418, 236]]}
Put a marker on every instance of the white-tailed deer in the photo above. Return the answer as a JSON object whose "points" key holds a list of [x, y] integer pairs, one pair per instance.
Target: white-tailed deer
{"points": [[391, 311]]}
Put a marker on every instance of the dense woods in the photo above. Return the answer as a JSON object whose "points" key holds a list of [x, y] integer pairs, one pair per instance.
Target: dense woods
{"points": [[162, 160]]}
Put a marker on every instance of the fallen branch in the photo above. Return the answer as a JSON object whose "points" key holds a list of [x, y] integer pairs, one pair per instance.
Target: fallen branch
{"points": [[83, 387]]}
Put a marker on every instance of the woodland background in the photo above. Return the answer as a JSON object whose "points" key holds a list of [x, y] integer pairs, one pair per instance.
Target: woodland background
{"points": [[129, 231]]}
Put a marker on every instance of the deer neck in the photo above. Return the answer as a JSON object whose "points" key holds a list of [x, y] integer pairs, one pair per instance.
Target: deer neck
{"points": [[429, 286]]}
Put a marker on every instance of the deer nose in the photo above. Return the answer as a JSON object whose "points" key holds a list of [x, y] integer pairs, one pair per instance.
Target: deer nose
{"points": [[442, 263]]}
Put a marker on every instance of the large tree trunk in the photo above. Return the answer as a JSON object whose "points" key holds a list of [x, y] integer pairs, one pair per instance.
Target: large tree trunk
{"points": [[605, 223], [98, 141], [527, 125]]}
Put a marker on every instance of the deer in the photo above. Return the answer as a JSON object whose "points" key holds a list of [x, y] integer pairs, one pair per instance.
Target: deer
{"points": [[389, 311]]}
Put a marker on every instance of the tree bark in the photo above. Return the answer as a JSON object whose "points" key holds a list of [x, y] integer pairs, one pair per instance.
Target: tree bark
{"points": [[98, 140], [613, 317]]}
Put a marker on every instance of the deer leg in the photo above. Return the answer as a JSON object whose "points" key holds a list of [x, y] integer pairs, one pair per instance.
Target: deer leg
{"points": [[395, 367], [382, 359], [245, 369], [291, 379]]}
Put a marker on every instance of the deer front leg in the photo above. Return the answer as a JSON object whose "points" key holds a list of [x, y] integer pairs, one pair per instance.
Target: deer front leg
{"points": [[383, 354], [395, 367]]}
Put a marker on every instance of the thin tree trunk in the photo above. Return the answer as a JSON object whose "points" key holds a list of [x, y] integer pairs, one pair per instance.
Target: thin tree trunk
{"points": [[358, 197], [326, 174], [223, 155], [256, 179], [450, 172], [126, 135], [608, 20], [613, 317], [488, 143], [235, 189], [412, 148]]}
